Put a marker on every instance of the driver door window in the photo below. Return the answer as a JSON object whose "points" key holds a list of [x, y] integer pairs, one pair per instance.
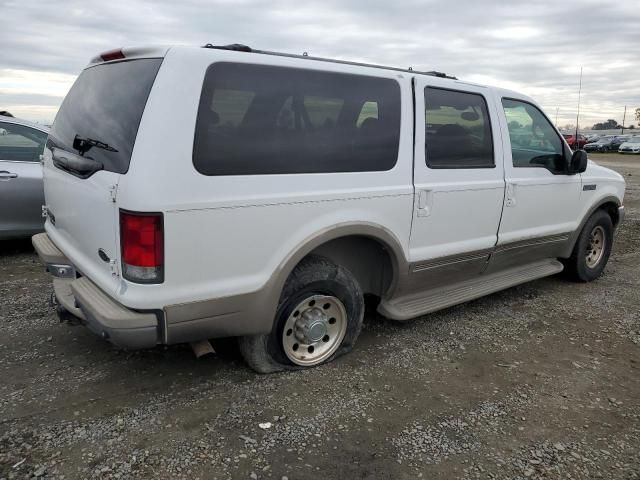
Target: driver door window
{"points": [[534, 141]]}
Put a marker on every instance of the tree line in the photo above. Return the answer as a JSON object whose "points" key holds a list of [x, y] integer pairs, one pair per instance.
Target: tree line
{"points": [[611, 124]]}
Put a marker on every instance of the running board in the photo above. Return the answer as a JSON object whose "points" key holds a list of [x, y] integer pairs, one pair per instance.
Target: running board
{"points": [[415, 305]]}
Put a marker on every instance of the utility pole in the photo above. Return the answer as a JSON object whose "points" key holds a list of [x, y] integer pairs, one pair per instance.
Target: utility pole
{"points": [[578, 114], [624, 117], [557, 108]]}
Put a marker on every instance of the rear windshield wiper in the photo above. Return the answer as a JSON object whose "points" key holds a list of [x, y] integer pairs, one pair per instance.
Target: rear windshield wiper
{"points": [[84, 144]]}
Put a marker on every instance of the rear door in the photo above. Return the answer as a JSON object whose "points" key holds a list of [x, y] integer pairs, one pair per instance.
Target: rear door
{"points": [[458, 181], [97, 124], [21, 195]]}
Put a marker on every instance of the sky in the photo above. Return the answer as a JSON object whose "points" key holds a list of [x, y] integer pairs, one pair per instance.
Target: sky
{"points": [[535, 47]]}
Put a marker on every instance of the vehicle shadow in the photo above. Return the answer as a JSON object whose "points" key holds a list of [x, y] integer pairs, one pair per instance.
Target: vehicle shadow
{"points": [[16, 246]]}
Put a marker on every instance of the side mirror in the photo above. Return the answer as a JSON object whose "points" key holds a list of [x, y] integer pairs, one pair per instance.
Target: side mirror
{"points": [[578, 162]]}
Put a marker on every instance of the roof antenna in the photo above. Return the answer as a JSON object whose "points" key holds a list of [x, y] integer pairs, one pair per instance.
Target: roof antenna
{"points": [[578, 114]]}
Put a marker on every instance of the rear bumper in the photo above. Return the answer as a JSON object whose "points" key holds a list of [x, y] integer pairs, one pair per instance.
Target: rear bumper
{"points": [[104, 316], [114, 322]]}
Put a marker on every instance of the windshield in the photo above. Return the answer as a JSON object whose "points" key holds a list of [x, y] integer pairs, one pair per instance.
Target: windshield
{"points": [[634, 140], [100, 115]]}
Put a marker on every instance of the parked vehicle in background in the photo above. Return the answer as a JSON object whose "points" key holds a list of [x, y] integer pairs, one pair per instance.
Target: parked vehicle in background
{"points": [[21, 191], [292, 186], [603, 144], [571, 140], [593, 137], [619, 140], [631, 146]]}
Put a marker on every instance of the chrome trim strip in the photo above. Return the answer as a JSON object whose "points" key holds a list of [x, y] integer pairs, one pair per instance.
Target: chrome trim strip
{"points": [[451, 260], [36, 162], [484, 254], [533, 242]]}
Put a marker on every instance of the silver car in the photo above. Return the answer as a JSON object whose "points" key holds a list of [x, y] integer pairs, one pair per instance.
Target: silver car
{"points": [[21, 193]]}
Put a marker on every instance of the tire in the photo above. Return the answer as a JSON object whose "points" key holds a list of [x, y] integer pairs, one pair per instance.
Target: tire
{"points": [[592, 249], [317, 293]]}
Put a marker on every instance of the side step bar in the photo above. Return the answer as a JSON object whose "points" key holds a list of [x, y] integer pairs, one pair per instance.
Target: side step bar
{"points": [[413, 306]]}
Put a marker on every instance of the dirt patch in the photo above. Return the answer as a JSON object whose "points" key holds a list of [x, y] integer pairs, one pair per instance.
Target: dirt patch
{"points": [[538, 381]]}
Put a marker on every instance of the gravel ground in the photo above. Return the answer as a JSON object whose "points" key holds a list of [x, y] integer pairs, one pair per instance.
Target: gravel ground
{"points": [[538, 381]]}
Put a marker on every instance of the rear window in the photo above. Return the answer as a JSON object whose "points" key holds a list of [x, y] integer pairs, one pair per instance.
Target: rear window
{"points": [[257, 119], [105, 106]]}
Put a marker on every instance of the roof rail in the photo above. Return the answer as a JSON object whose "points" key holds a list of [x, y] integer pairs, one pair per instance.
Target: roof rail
{"points": [[244, 48], [238, 47]]}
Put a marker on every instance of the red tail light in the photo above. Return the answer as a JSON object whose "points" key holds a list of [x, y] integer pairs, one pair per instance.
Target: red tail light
{"points": [[142, 245], [112, 55]]}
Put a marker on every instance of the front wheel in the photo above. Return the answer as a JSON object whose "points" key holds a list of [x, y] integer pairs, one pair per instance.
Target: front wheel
{"points": [[592, 249], [319, 317]]}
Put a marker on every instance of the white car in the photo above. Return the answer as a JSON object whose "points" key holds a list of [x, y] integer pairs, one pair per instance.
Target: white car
{"points": [[229, 192], [631, 146]]}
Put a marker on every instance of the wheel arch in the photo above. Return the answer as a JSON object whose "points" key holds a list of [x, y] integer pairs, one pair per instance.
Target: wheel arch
{"points": [[609, 204], [336, 243]]}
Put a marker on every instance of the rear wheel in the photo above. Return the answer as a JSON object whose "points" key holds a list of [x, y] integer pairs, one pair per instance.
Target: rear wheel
{"points": [[592, 249], [319, 317]]}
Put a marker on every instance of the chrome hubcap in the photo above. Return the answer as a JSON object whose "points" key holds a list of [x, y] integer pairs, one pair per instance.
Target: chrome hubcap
{"points": [[314, 330], [595, 249]]}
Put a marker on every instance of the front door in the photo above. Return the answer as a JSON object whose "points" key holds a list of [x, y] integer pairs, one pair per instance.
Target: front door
{"points": [[21, 193], [542, 200], [459, 182]]}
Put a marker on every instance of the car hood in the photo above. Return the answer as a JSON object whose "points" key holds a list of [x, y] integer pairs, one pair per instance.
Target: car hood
{"points": [[598, 171], [631, 144]]}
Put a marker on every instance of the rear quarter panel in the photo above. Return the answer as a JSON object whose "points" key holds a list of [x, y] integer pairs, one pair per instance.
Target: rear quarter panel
{"points": [[227, 235]]}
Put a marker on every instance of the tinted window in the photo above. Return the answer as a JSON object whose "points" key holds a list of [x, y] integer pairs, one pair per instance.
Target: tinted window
{"points": [[458, 130], [21, 144], [534, 141], [369, 110], [256, 119], [105, 104]]}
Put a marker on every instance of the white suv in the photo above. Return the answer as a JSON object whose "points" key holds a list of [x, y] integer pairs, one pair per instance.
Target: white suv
{"points": [[198, 193]]}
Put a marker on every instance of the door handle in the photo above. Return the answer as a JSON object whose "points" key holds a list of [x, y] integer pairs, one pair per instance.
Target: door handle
{"points": [[510, 197], [424, 203], [4, 175]]}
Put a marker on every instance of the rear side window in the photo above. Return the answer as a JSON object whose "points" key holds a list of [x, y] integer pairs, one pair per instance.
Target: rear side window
{"points": [[259, 120], [105, 106], [19, 143], [458, 130]]}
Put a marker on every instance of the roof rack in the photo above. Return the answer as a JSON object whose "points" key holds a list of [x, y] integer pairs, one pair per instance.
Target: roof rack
{"points": [[244, 48]]}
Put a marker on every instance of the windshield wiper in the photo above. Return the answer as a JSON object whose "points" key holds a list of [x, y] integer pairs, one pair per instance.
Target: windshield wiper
{"points": [[83, 145]]}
